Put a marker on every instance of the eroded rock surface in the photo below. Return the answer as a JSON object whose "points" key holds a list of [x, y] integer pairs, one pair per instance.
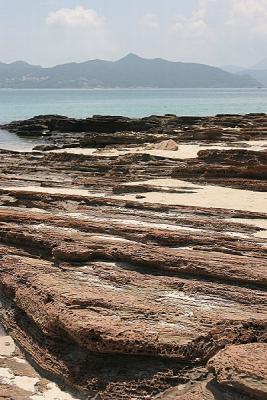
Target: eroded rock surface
{"points": [[243, 368], [121, 282]]}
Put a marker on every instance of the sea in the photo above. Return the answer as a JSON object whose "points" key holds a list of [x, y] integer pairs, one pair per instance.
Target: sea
{"points": [[22, 104]]}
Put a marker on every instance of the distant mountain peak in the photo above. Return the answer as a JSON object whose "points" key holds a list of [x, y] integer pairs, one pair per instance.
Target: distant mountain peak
{"points": [[131, 57], [132, 71], [19, 62]]}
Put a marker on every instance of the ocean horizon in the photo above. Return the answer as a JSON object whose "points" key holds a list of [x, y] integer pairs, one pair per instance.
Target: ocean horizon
{"points": [[18, 104]]}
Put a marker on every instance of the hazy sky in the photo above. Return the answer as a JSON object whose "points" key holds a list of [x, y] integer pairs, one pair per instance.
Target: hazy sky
{"points": [[215, 32]]}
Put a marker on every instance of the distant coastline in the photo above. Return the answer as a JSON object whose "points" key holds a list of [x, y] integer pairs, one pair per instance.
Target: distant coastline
{"points": [[129, 72], [132, 89]]}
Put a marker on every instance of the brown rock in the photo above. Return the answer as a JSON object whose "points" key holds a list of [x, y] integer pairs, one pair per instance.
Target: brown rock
{"points": [[122, 299], [243, 368]]}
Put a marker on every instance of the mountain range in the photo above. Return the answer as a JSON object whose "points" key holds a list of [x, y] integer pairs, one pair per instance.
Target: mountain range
{"points": [[131, 71], [258, 71]]}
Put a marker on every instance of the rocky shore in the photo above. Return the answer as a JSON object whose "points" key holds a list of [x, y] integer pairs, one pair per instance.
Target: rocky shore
{"points": [[133, 258]]}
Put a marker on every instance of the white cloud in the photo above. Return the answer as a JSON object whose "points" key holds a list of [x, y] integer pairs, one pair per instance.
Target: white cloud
{"points": [[190, 27], [249, 16], [150, 21], [195, 25], [75, 17]]}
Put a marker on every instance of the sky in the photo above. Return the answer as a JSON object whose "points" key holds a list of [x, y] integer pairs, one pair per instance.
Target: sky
{"points": [[215, 32]]}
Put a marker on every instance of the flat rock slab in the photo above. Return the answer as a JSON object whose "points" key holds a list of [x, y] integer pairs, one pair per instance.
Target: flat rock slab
{"points": [[243, 368]]}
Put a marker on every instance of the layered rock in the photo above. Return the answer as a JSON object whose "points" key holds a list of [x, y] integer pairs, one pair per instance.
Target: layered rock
{"points": [[235, 168], [121, 295]]}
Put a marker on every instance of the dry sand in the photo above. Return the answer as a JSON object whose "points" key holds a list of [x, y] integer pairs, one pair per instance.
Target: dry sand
{"points": [[203, 196], [52, 190], [185, 150]]}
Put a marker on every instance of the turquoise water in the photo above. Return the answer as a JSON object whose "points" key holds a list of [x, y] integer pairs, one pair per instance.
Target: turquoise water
{"points": [[22, 104], [10, 141]]}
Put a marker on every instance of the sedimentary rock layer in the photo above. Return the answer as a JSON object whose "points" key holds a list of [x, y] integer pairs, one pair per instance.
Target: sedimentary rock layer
{"points": [[117, 287]]}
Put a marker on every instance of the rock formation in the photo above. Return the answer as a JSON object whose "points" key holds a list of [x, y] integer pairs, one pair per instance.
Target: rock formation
{"points": [[243, 368], [114, 286]]}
